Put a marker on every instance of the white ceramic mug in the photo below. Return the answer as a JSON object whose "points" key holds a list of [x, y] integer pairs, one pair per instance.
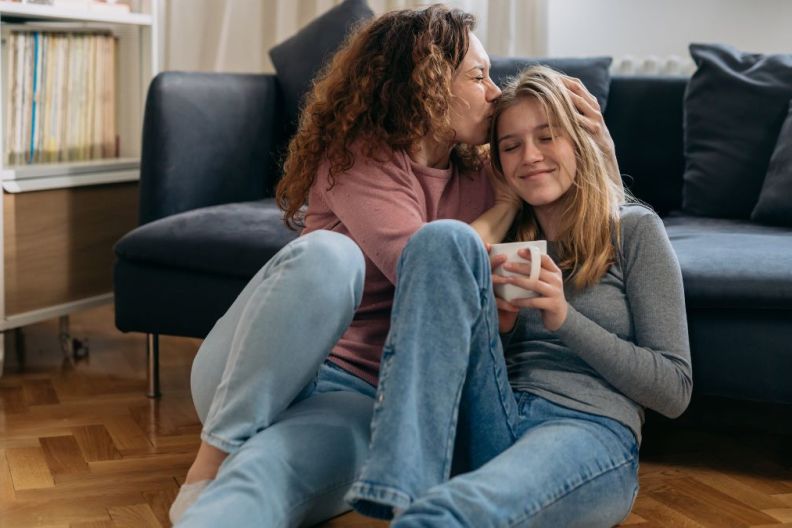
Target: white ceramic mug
{"points": [[509, 292]]}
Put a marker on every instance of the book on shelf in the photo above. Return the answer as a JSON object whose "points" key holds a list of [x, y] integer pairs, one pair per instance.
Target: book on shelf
{"points": [[61, 103]]}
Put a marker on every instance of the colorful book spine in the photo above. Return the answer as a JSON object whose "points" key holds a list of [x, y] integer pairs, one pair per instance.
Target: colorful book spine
{"points": [[61, 96]]}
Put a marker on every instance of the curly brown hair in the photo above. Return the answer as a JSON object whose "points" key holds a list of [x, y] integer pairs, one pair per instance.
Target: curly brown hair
{"points": [[390, 84]]}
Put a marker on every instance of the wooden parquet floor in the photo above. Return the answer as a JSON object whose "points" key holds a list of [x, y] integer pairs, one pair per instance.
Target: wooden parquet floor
{"points": [[81, 446]]}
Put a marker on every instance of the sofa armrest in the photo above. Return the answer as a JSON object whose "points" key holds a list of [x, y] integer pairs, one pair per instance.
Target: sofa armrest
{"points": [[208, 138]]}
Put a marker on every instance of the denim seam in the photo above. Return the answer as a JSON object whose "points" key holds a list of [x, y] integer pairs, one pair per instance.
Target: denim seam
{"points": [[450, 439], [364, 489], [484, 299], [584, 481]]}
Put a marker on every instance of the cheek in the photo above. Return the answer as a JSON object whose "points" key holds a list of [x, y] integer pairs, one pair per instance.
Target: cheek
{"points": [[508, 165]]}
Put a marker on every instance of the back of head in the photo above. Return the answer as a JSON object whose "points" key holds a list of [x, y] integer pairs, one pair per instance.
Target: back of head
{"points": [[388, 87], [589, 225]]}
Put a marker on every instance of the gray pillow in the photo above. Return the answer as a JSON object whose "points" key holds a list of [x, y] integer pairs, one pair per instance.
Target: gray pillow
{"points": [[775, 199], [593, 72], [734, 105], [299, 58]]}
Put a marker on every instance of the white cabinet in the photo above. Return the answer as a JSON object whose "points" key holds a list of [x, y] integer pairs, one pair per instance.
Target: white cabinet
{"points": [[59, 221]]}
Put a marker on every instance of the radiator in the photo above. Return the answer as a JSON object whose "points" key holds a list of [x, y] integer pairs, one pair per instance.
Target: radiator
{"points": [[672, 65]]}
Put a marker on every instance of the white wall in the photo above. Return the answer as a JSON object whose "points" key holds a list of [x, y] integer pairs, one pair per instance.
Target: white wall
{"points": [[235, 35], [662, 28]]}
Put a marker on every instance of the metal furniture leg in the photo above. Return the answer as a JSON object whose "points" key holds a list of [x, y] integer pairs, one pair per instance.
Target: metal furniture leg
{"points": [[152, 350]]}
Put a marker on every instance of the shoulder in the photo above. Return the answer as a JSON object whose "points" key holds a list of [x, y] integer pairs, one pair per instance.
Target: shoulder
{"points": [[643, 232], [636, 218], [369, 165]]}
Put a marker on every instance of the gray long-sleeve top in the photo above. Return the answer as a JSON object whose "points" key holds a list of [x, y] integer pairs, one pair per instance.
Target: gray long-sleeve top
{"points": [[624, 345]]}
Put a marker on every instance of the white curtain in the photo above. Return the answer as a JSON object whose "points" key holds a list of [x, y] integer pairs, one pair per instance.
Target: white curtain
{"points": [[235, 35]]}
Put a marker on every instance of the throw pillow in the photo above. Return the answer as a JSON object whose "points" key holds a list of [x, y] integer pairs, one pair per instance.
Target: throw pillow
{"points": [[734, 105], [298, 59], [775, 199], [593, 72]]}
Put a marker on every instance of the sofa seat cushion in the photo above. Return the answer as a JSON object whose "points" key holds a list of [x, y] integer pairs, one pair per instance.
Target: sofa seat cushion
{"points": [[732, 264], [234, 239]]}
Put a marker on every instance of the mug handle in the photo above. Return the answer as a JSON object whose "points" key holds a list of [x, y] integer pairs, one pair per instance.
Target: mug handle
{"points": [[536, 262]]}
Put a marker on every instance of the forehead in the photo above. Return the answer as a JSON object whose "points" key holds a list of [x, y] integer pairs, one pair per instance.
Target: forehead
{"points": [[476, 54], [527, 112]]}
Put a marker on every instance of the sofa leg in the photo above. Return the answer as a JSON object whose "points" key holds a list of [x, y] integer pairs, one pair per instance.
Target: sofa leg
{"points": [[152, 349]]}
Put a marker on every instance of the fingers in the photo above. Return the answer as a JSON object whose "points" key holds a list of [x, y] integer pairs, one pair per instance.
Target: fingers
{"points": [[588, 106], [578, 88], [540, 303], [549, 270], [585, 106], [497, 261], [498, 280], [547, 260], [505, 306], [546, 285]]}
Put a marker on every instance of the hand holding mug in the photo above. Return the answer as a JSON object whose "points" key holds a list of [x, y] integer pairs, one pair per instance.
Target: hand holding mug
{"points": [[547, 289]]}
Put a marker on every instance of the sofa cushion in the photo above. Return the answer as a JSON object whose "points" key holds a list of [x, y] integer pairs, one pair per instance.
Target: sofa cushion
{"points": [[775, 200], [594, 72], [299, 58], [734, 107], [234, 239], [732, 263]]}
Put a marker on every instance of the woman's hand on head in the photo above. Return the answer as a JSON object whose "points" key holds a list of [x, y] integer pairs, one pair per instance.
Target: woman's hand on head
{"points": [[590, 113], [592, 120], [507, 312], [549, 287]]}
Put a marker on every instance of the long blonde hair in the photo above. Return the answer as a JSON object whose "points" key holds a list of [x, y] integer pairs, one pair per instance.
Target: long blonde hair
{"points": [[589, 234]]}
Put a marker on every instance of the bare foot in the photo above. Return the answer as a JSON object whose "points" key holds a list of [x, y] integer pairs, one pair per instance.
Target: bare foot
{"points": [[206, 464]]}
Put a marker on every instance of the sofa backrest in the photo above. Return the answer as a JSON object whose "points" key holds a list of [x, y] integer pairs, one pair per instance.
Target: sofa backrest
{"points": [[644, 116]]}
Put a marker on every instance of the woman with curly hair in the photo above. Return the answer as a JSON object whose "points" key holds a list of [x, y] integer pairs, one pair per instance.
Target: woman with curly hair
{"points": [[539, 426], [285, 382]]}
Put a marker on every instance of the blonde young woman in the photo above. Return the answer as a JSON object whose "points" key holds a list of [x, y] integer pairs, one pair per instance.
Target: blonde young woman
{"points": [[539, 426]]}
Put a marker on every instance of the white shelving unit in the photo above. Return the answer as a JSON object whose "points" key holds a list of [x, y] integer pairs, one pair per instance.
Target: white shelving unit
{"points": [[138, 62]]}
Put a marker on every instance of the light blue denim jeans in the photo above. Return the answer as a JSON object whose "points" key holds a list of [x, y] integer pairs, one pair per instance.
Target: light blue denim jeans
{"points": [[296, 428], [445, 408]]}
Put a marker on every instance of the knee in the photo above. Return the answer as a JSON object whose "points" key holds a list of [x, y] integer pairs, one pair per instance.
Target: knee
{"points": [[328, 259], [443, 238]]}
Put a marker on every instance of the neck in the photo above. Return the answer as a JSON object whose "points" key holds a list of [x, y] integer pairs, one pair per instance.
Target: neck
{"points": [[548, 217], [429, 153]]}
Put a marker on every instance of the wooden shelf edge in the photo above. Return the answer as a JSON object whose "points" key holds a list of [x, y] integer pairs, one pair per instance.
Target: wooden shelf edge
{"points": [[45, 12], [72, 180]]}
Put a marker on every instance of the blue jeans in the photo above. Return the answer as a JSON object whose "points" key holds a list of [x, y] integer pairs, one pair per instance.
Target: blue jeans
{"points": [[296, 429], [444, 407]]}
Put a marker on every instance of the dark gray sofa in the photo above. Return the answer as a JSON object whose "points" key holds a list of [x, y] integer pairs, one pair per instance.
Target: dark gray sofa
{"points": [[211, 144]]}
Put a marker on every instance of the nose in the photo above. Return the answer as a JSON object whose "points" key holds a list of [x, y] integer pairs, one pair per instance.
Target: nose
{"points": [[493, 92], [532, 153]]}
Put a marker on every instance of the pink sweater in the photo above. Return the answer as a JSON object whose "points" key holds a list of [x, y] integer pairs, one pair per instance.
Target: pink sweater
{"points": [[380, 205]]}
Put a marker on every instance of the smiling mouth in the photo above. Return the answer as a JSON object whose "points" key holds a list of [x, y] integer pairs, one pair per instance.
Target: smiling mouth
{"points": [[535, 173]]}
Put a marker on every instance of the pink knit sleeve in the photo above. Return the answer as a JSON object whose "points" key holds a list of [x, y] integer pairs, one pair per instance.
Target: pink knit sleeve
{"points": [[381, 204]]}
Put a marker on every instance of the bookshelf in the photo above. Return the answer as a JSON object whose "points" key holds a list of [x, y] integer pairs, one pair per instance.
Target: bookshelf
{"points": [[59, 220]]}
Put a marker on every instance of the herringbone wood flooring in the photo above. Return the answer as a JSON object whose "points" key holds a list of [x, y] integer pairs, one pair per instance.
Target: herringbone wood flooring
{"points": [[81, 446]]}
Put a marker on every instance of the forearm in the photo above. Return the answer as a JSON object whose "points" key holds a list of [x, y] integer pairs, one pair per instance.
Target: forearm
{"points": [[653, 378], [493, 225]]}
